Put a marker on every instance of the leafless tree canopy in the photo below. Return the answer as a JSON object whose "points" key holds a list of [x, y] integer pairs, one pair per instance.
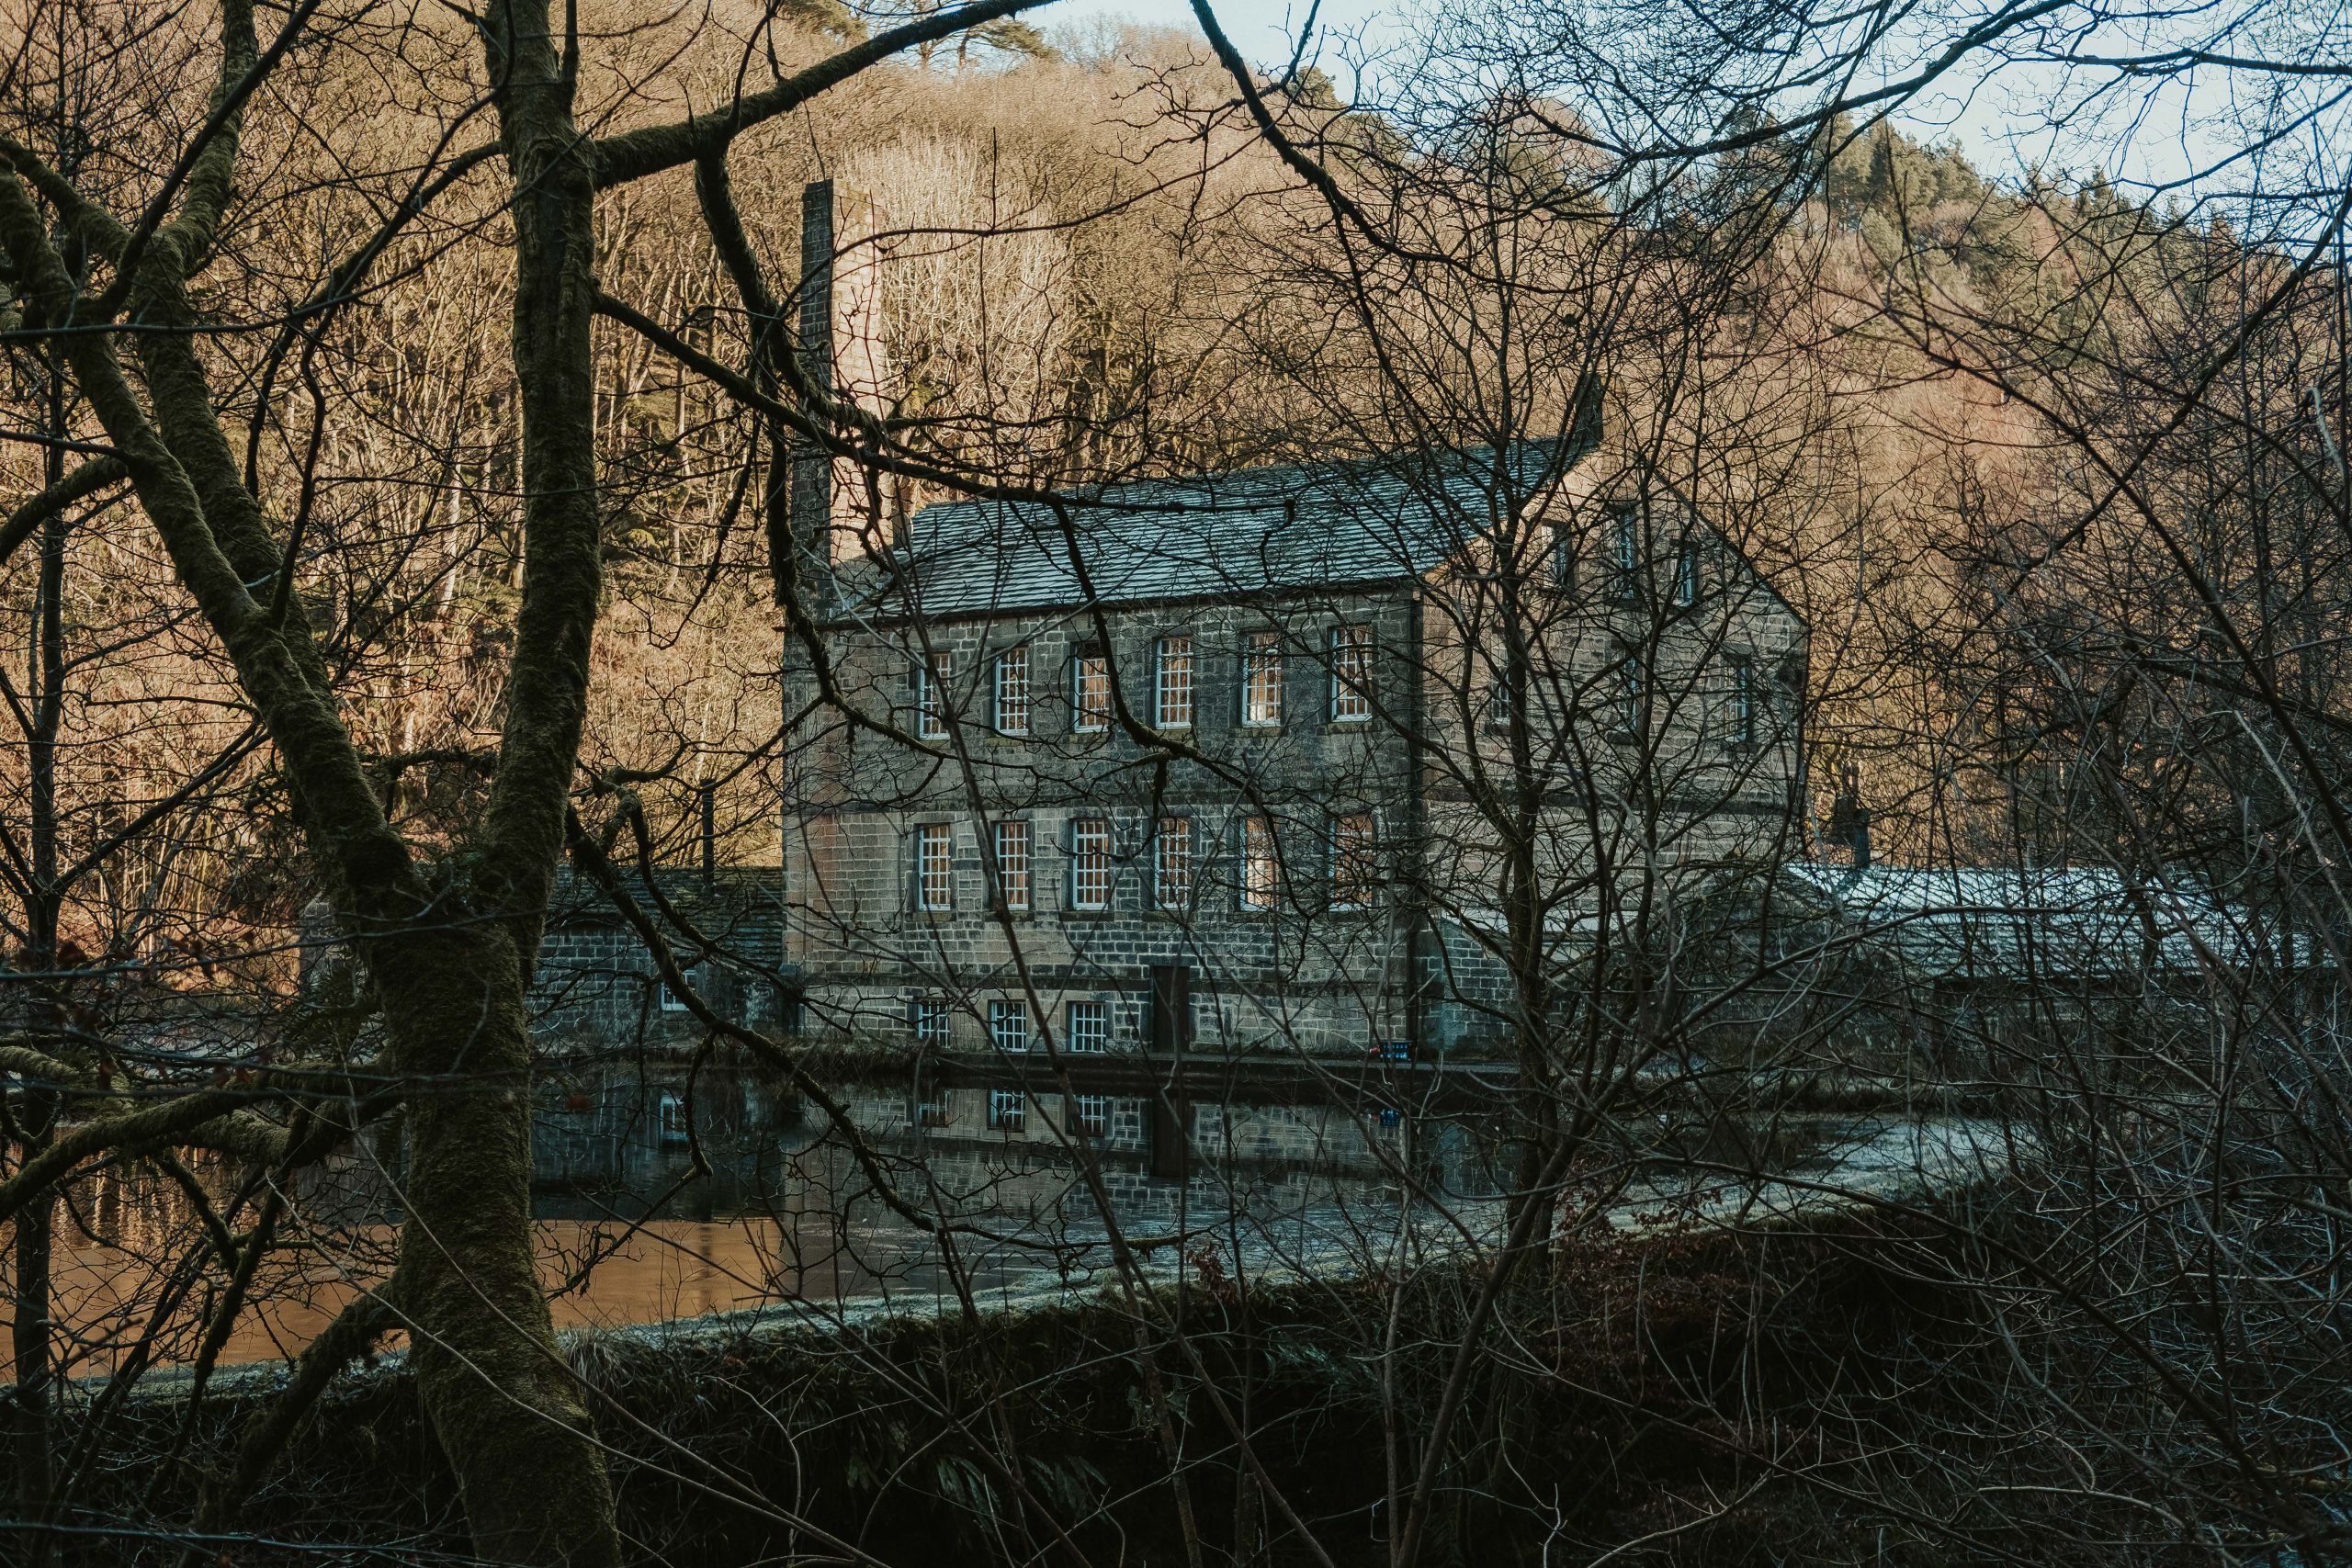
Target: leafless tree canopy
{"points": [[1527, 787]]}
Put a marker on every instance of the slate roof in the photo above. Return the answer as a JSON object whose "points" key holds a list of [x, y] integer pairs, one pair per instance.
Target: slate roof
{"points": [[2016, 924], [1222, 535]]}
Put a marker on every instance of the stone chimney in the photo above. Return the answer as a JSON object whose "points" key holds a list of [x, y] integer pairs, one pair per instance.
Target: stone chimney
{"points": [[836, 509]]}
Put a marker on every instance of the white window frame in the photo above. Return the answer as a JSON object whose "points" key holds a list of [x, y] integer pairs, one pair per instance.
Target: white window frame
{"points": [[1089, 863], [1013, 842], [1352, 674], [933, 677], [923, 1012], [1089, 1115], [1011, 694], [1086, 1028], [670, 1001], [934, 878], [1625, 546], [1686, 573], [1174, 689], [1262, 866], [1003, 1012], [1262, 681], [1089, 693], [1171, 863], [1008, 1110]]}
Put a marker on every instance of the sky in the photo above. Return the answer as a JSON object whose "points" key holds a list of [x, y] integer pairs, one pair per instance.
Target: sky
{"points": [[1999, 123]]}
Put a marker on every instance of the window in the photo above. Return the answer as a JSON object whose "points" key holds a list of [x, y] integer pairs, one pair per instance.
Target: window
{"points": [[1626, 553], [1171, 863], [1261, 679], [1012, 691], [1093, 1118], [934, 866], [1012, 864], [1350, 673], [1009, 1026], [672, 1001], [1686, 574], [927, 1015], [1743, 700], [1172, 684], [1629, 694], [1090, 693], [1500, 705], [1089, 863], [1262, 871], [1564, 557], [1354, 867], [931, 695], [1090, 1028], [1008, 1110]]}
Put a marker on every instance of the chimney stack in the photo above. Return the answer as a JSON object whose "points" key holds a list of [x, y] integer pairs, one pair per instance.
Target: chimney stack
{"points": [[836, 509]]}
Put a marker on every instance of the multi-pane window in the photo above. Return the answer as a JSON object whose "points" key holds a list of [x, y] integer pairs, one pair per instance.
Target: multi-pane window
{"points": [[1089, 693], [1686, 573], [1089, 863], [1171, 863], [1009, 1025], [1564, 557], [1090, 1028], [674, 1001], [1012, 864], [1350, 673], [1172, 684], [1743, 700], [934, 866], [1625, 552], [1008, 1110], [1500, 708], [1012, 691], [928, 1018], [1629, 693], [1355, 870], [1262, 867], [932, 680], [1261, 679], [1093, 1118]]}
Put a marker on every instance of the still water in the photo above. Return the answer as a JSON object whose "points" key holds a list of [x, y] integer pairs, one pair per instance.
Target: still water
{"points": [[779, 1216]]}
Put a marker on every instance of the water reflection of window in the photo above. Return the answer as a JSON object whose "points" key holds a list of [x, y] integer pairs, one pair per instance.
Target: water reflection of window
{"points": [[1008, 1110]]}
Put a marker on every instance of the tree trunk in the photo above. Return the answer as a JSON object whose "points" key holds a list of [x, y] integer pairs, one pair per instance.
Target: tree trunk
{"points": [[503, 1403]]}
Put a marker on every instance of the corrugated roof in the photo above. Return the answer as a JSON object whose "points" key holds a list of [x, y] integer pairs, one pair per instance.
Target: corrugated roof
{"points": [[1251, 531]]}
